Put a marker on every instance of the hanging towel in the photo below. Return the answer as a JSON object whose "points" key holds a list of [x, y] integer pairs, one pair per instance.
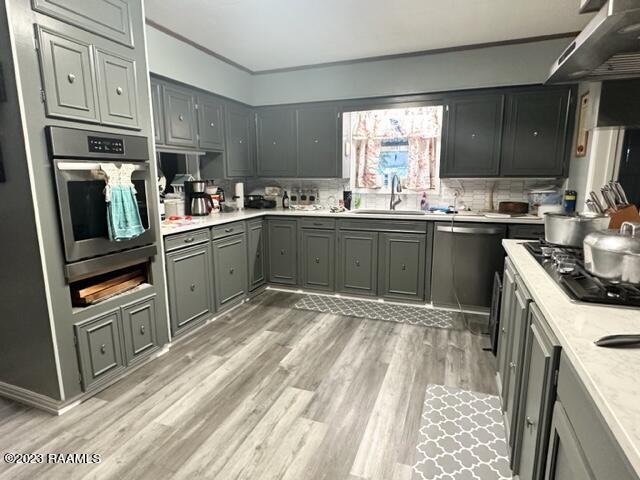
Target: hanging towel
{"points": [[123, 216]]}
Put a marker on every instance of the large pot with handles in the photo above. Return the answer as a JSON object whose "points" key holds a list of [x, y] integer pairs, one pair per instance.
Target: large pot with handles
{"points": [[614, 255], [569, 230]]}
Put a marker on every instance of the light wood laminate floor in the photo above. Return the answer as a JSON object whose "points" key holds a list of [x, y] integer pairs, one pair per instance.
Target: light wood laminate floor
{"points": [[264, 392]]}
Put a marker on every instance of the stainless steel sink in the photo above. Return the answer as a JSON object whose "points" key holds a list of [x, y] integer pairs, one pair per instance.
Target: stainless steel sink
{"points": [[388, 212]]}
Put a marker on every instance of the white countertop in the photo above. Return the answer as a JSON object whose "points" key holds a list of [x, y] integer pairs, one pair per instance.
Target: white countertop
{"points": [[611, 376], [222, 218]]}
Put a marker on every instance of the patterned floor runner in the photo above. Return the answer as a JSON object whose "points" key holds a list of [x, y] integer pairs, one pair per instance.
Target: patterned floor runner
{"points": [[418, 315], [461, 437]]}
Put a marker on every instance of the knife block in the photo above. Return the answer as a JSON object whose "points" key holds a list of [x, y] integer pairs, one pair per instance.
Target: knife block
{"points": [[626, 214]]}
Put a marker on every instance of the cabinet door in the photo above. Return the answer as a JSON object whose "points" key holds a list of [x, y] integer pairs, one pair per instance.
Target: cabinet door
{"points": [[99, 348], [158, 113], [117, 90], [255, 246], [139, 328], [473, 138], [283, 252], [317, 255], [536, 132], [358, 262], [68, 77], [565, 458], [505, 338], [240, 131], [402, 266], [180, 117], [190, 284], [277, 143], [230, 266], [537, 397], [111, 19], [210, 123], [318, 135]]}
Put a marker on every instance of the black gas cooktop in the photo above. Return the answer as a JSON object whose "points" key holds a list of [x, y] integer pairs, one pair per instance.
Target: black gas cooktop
{"points": [[566, 267]]}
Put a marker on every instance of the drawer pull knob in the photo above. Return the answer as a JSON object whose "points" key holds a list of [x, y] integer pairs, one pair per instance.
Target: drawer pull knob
{"points": [[189, 240], [536, 133], [316, 141], [357, 263], [404, 267], [241, 142], [529, 422], [231, 271], [228, 230], [317, 260], [282, 252], [504, 330], [212, 124], [474, 135], [103, 348], [258, 255], [180, 117], [317, 224], [192, 287], [512, 365], [142, 329], [71, 78], [119, 90], [274, 142]]}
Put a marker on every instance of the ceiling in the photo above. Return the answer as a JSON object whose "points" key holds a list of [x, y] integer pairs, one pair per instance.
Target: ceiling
{"points": [[274, 34]]}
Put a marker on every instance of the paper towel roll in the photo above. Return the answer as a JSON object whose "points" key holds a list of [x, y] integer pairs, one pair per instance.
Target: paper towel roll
{"points": [[240, 196]]}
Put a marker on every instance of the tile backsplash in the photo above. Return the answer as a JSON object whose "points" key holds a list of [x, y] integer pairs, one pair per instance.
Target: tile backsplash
{"points": [[473, 193]]}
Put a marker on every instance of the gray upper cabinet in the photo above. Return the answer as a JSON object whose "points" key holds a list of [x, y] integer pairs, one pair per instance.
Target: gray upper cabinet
{"points": [[402, 266], [157, 111], [536, 133], [317, 258], [283, 252], [99, 348], [139, 328], [276, 142], [318, 136], [255, 248], [240, 135], [68, 76], [112, 19], [230, 267], [190, 285], [538, 394], [474, 135], [180, 117], [117, 90], [358, 262], [210, 123]]}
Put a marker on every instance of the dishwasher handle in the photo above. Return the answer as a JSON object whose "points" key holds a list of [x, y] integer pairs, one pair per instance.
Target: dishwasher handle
{"points": [[470, 230]]}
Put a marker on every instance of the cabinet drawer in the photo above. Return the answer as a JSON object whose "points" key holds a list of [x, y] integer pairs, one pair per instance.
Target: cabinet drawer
{"points": [[139, 328], [400, 226], [99, 348], [230, 267], [186, 239], [226, 230], [328, 223]]}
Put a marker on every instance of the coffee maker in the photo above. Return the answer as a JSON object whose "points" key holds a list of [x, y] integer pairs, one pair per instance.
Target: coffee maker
{"points": [[196, 201]]}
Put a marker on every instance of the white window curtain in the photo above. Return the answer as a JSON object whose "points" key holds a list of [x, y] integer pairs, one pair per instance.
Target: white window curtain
{"points": [[422, 126]]}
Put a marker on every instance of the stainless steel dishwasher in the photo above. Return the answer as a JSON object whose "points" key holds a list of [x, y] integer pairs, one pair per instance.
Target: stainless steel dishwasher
{"points": [[465, 258]]}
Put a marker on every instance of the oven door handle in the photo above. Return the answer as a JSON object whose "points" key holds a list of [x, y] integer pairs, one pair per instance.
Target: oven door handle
{"points": [[85, 166]]}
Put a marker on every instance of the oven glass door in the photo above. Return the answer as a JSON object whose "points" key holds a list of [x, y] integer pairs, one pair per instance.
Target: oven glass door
{"points": [[83, 209]]}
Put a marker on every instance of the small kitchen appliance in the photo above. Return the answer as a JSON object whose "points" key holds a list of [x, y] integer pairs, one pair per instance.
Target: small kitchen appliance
{"points": [[197, 201]]}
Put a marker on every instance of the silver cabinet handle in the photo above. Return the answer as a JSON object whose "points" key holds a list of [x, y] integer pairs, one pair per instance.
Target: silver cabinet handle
{"points": [[474, 135], [317, 260], [512, 365], [192, 287], [180, 117], [469, 230], [404, 267], [119, 90], [228, 230], [240, 142], [142, 329], [357, 263], [274, 142], [71, 78], [536, 133], [529, 422], [317, 224], [231, 271], [103, 348], [504, 330], [212, 124], [282, 252], [189, 240], [316, 141], [257, 254]]}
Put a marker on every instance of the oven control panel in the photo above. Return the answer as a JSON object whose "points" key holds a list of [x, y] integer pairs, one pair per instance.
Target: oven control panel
{"points": [[106, 145]]}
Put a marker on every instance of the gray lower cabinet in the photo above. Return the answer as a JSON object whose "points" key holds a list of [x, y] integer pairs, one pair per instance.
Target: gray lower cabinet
{"points": [[157, 112], [117, 90], [536, 399], [180, 117], [318, 137], [255, 253], [283, 251], [240, 141], [276, 142], [317, 258], [112, 19], [402, 266], [190, 285], [210, 123], [139, 329], [230, 269], [565, 458], [358, 262], [68, 75], [505, 337], [99, 348]]}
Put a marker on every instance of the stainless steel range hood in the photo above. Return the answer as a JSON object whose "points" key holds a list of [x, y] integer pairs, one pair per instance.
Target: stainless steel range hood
{"points": [[608, 47]]}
